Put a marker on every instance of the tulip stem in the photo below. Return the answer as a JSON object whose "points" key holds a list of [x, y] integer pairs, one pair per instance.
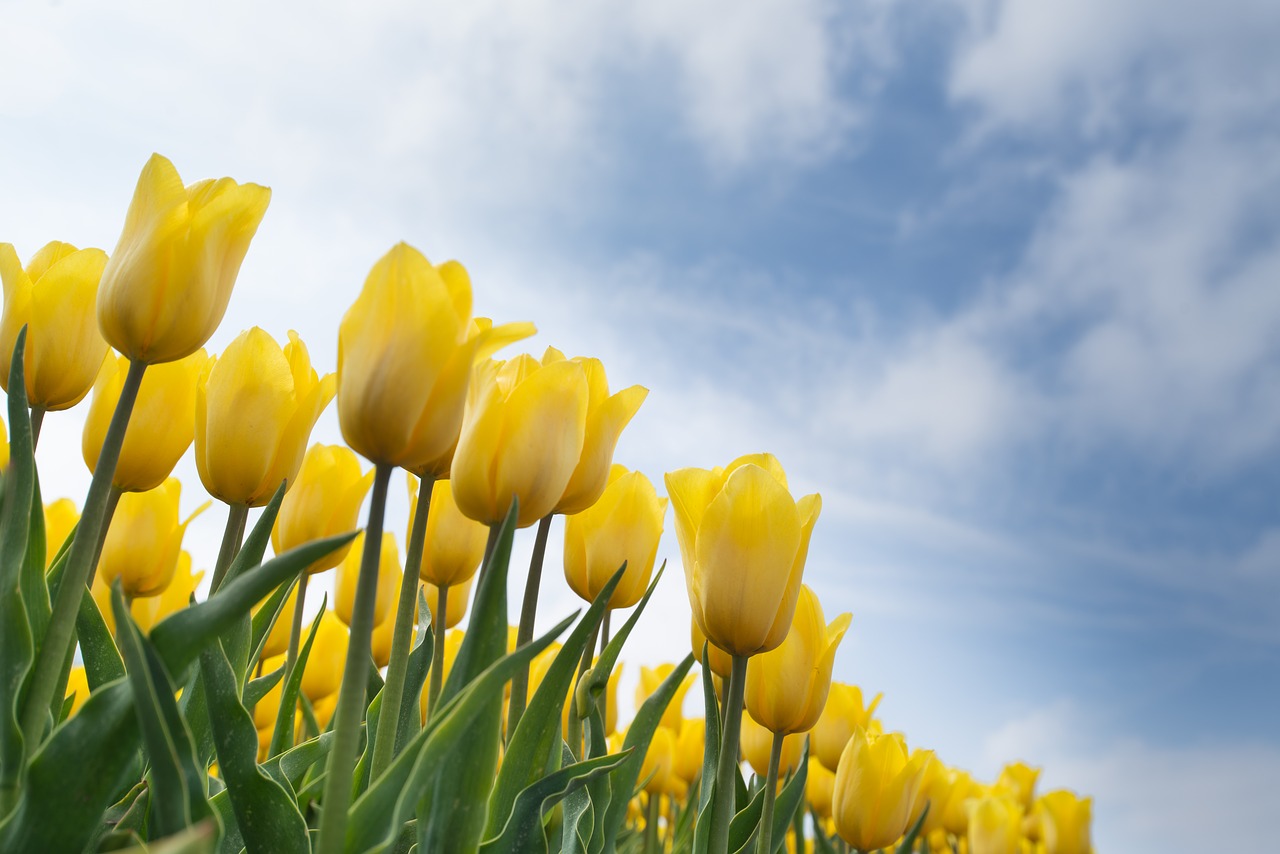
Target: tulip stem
{"points": [[574, 737], [727, 767], [528, 613], [384, 746], [113, 500], [355, 679], [651, 825], [770, 794], [604, 641], [37, 418], [438, 626], [60, 637], [232, 537]]}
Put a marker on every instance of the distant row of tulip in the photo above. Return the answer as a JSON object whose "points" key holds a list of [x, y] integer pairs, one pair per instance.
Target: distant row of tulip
{"points": [[234, 722]]}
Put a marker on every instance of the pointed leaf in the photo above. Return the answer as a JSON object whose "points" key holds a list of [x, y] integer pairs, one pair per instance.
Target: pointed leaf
{"points": [[98, 650], [282, 735], [415, 676]]}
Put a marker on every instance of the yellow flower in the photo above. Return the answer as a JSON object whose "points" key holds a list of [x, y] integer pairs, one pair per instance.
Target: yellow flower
{"points": [[405, 352], [1018, 781], [995, 826], [938, 790], [54, 298], [690, 746], [77, 686], [624, 525], [323, 501], [150, 611], [954, 810], [787, 686], [651, 678], [843, 713], [876, 789], [161, 427], [59, 518], [4, 444], [328, 657], [721, 662], [658, 766], [819, 786], [145, 540], [383, 634], [743, 540], [521, 437], [455, 608], [167, 284], [606, 417], [1065, 822], [389, 575], [255, 407], [452, 643], [454, 544], [757, 742]]}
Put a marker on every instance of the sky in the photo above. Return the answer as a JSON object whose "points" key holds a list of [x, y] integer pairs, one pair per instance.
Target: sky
{"points": [[1000, 279]]}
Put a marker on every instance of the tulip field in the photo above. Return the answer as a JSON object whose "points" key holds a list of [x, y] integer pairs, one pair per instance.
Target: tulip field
{"points": [[157, 700]]}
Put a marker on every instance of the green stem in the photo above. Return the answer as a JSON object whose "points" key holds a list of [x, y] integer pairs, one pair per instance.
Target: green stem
{"points": [[37, 418], [384, 746], [355, 679], [770, 795], [604, 695], [651, 825], [113, 500], [437, 652], [295, 630], [574, 737], [528, 613], [61, 635], [727, 767], [232, 537]]}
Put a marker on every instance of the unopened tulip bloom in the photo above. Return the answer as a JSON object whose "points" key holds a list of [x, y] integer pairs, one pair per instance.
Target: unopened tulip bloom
{"points": [[658, 766], [844, 712], [651, 679], [323, 501], [522, 437], [405, 353], [4, 444], [161, 427], [757, 742], [54, 297], [819, 785], [254, 412], [690, 749], [607, 415], [955, 815], [743, 540], [876, 789], [144, 541], [454, 545], [150, 611], [78, 687], [1065, 822], [328, 655], [389, 575], [624, 526], [937, 790], [787, 686], [167, 285], [60, 517], [1018, 781], [455, 608], [380, 639], [721, 662], [995, 826]]}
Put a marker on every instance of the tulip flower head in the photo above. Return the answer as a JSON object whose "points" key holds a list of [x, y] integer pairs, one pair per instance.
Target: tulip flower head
{"points": [[756, 741], [819, 786], [876, 789], [651, 678], [77, 687], [721, 662], [658, 767], [454, 545], [1018, 781], [389, 576], [166, 287], [1065, 822], [323, 501], [323, 675], [624, 526], [690, 747], [4, 444], [54, 297], [144, 542], [995, 826], [455, 608], [743, 541], [60, 517], [843, 713], [149, 611]]}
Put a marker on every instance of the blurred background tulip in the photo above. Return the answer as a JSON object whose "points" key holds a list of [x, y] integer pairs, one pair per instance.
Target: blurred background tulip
{"points": [[1066, 822], [757, 741], [876, 789], [454, 544], [995, 826], [344, 594], [323, 501], [143, 544], [60, 517], [843, 712]]}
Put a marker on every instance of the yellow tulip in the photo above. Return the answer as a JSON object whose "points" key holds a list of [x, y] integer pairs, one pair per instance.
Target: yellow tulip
{"points": [[843, 713], [4, 444], [278, 638], [166, 286], [756, 741], [607, 415], [658, 766], [78, 687], [721, 662], [743, 540], [690, 746], [59, 518], [380, 639], [937, 790], [161, 427], [651, 678], [1065, 822], [452, 643], [995, 826], [455, 608], [389, 575], [54, 298], [876, 789], [323, 501], [819, 786], [522, 437], [149, 611], [454, 544], [145, 540], [405, 352], [955, 812], [328, 657], [255, 407], [787, 687], [1018, 781], [625, 525]]}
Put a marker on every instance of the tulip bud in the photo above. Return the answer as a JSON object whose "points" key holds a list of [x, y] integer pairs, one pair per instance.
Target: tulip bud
{"points": [[651, 679], [454, 545], [389, 575], [255, 407], [167, 285], [1065, 822], [161, 427], [452, 643], [405, 353], [787, 687], [54, 298], [1018, 781], [995, 826], [756, 741], [150, 611], [522, 437], [382, 636], [328, 657], [77, 687], [60, 517], [721, 662], [937, 790], [819, 785], [145, 540], [842, 714], [4, 444], [743, 542], [606, 417], [876, 789], [625, 525], [955, 815], [658, 766], [323, 501], [690, 747]]}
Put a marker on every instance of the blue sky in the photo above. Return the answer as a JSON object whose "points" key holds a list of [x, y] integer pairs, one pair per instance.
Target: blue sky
{"points": [[1000, 278]]}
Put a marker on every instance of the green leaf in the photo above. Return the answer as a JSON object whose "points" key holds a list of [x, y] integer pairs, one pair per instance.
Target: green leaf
{"points": [[598, 676], [415, 676], [35, 590], [260, 687], [266, 815], [282, 735], [98, 650], [264, 620], [745, 825], [198, 839], [523, 831], [255, 545], [821, 844], [177, 780], [584, 809], [364, 765]]}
